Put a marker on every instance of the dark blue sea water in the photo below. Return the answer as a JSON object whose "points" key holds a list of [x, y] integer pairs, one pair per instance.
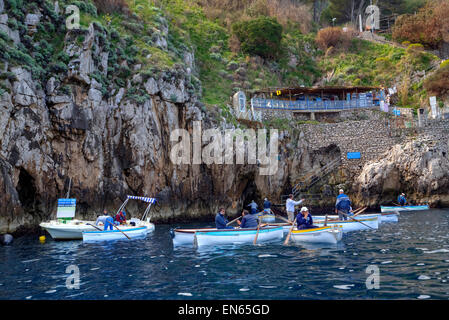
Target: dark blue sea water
{"points": [[412, 256]]}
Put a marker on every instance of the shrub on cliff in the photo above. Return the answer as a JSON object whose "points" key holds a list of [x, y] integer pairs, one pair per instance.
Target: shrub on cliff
{"points": [[438, 83], [429, 26], [112, 6], [333, 37], [261, 36]]}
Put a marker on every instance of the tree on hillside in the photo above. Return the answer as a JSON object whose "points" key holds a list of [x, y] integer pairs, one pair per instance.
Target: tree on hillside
{"points": [[318, 7], [261, 36], [429, 26], [348, 10], [345, 10]]}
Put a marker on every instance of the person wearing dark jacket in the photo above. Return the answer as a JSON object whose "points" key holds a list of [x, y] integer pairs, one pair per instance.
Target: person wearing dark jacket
{"points": [[267, 206], [343, 205], [249, 220], [220, 220], [402, 200], [304, 220]]}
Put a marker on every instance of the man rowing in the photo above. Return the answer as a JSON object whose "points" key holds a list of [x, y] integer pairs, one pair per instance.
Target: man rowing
{"points": [[253, 206], [248, 220], [402, 200], [266, 206], [221, 221], [290, 206], [102, 218], [343, 205], [304, 219]]}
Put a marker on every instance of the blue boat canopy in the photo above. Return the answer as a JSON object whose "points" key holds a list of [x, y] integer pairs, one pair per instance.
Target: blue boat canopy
{"points": [[145, 199]]}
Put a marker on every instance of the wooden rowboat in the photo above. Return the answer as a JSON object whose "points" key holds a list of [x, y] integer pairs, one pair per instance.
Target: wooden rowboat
{"points": [[403, 208], [383, 217], [237, 236], [330, 235], [186, 237], [264, 217], [108, 235], [350, 225]]}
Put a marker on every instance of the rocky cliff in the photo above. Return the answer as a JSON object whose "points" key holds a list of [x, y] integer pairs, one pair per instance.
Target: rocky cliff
{"points": [[110, 138], [419, 168], [97, 106]]}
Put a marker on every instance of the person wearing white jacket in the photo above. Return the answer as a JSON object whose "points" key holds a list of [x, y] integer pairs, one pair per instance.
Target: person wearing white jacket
{"points": [[290, 206]]}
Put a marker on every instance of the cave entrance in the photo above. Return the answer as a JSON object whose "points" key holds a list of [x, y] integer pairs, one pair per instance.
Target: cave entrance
{"points": [[251, 192], [26, 190]]}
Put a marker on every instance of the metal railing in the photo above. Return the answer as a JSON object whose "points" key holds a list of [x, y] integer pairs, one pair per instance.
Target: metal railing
{"points": [[260, 103]]}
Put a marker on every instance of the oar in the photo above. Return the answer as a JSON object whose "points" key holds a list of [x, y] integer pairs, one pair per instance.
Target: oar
{"points": [[289, 233], [282, 218], [233, 221], [257, 233], [121, 231], [94, 226], [358, 221], [360, 211]]}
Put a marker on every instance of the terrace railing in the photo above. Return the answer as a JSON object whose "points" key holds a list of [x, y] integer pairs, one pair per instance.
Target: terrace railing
{"points": [[306, 105]]}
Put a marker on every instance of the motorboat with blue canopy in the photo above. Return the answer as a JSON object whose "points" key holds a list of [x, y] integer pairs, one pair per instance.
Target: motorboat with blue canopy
{"points": [[136, 228]]}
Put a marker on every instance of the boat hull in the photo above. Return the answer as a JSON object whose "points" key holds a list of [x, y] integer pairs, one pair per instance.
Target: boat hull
{"points": [[403, 208], [349, 226], [331, 235], [186, 237], [72, 230], [110, 235], [238, 236], [383, 217], [267, 218]]}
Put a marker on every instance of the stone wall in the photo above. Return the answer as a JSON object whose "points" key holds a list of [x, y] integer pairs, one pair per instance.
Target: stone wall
{"points": [[373, 138]]}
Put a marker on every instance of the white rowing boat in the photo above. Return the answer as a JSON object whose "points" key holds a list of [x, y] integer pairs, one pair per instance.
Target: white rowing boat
{"points": [[183, 237], [108, 235], [329, 234], [237, 236], [350, 225], [264, 217], [403, 208]]}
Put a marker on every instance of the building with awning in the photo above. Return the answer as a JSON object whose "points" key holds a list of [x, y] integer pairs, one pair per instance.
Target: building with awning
{"points": [[312, 100]]}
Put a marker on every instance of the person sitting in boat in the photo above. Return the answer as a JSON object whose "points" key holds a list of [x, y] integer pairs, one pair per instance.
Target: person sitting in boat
{"points": [[121, 217], [304, 219], [248, 220], [220, 220], [253, 206], [266, 206], [402, 200], [290, 206], [342, 205]]}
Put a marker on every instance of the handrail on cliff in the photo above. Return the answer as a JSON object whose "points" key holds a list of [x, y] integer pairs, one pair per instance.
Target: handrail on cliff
{"points": [[312, 177]]}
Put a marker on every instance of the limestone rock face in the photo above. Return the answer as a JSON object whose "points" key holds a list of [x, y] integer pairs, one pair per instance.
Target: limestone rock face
{"points": [[417, 168]]}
